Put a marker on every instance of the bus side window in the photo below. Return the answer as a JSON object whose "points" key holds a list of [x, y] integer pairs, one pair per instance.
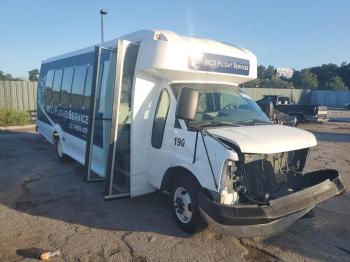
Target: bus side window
{"points": [[48, 87], [57, 81], [88, 86], [78, 86], [66, 86], [160, 118]]}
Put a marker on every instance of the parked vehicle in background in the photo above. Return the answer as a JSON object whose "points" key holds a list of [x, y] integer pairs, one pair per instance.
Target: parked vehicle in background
{"points": [[284, 119], [303, 113], [347, 105], [278, 117]]}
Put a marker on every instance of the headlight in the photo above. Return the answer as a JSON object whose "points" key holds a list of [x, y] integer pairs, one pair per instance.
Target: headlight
{"points": [[228, 195]]}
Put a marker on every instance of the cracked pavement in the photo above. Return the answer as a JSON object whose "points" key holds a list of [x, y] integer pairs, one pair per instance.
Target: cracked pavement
{"points": [[45, 205]]}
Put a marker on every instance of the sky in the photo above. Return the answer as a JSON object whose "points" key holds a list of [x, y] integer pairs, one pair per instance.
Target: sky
{"points": [[298, 34]]}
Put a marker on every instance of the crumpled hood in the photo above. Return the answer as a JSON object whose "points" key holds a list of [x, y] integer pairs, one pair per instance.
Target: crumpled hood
{"points": [[266, 139]]}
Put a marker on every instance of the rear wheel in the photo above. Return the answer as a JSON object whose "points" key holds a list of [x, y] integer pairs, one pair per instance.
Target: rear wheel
{"points": [[59, 150], [184, 203]]}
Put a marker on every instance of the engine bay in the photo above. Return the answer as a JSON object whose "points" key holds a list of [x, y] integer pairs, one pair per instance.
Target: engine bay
{"points": [[259, 178]]}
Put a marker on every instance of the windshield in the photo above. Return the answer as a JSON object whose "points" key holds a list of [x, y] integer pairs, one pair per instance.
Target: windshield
{"points": [[224, 105]]}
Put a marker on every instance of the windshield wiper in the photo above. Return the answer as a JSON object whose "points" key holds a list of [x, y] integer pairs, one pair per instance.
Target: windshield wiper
{"points": [[216, 123], [255, 122]]}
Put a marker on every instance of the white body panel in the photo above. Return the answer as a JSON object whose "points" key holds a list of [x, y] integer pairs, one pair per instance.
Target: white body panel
{"points": [[266, 139], [160, 63], [71, 145]]}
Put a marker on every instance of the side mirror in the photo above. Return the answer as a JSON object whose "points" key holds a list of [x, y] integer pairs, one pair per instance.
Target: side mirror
{"points": [[187, 103], [268, 109]]}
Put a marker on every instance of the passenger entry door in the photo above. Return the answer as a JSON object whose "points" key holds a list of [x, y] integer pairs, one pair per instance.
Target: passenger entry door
{"points": [[108, 143]]}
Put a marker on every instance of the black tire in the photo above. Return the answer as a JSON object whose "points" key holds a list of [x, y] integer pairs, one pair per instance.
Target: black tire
{"points": [[192, 188], [61, 156], [300, 119]]}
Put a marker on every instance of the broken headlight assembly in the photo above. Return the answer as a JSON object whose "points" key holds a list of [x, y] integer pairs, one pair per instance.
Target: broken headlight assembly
{"points": [[228, 194], [258, 178]]}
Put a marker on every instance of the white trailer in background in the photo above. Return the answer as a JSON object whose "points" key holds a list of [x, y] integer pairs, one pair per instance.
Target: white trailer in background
{"points": [[153, 110]]}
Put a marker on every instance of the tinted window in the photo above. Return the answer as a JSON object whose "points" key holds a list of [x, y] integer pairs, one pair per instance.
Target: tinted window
{"points": [[57, 80], [48, 87], [127, 82], [66, 86], [78, 86], [160, 119], [88, 87], [104, 66]]}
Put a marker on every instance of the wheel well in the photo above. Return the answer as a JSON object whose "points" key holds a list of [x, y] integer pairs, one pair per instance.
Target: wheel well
{"points": [[300, 116], [175, 172]]}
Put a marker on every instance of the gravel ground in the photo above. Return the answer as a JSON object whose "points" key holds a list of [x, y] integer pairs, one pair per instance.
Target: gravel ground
{"points": [[44, 204]]}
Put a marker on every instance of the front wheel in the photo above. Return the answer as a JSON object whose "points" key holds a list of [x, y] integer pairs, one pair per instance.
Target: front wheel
{"points": [[184, 204]]}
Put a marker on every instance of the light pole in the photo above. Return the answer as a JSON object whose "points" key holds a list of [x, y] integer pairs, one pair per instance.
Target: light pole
{"points": [[102, 12]]}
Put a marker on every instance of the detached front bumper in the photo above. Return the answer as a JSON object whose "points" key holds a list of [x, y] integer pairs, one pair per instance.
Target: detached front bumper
{"points": [[266, 221]]}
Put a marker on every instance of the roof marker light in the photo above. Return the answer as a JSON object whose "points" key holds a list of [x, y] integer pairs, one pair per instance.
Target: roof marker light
{"points": [[157, 36]]}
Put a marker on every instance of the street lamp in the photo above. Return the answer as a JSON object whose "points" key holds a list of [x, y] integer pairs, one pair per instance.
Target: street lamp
{"points": [[102, 12]]}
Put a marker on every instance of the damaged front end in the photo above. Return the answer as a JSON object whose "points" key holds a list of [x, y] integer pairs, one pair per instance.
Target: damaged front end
{"points": [[262, 194]]}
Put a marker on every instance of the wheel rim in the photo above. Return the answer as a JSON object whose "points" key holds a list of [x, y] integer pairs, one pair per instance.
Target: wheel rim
{"points": [[183, 205], [59, 148]]}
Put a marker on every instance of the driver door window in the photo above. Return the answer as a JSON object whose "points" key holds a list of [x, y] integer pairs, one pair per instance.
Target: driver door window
{"points": [[160, 119]]}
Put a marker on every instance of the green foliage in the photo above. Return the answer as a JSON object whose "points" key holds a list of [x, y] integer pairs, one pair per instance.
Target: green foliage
{"points": [[296, 79], [270, 72], [277, 82], [261, 71], [335, 83], [4, 77], [344, 73], [266, 72], [33, 75], [324, 73], [308, 80], [12, 117], [267, 78], [327, 76]]}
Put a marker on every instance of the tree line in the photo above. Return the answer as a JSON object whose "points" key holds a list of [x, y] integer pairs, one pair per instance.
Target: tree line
{"points": [[32, 76], [326, 76]]}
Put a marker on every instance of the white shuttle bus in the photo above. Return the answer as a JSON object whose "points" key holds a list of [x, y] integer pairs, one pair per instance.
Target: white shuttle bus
{"points": [[154, 110]]}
